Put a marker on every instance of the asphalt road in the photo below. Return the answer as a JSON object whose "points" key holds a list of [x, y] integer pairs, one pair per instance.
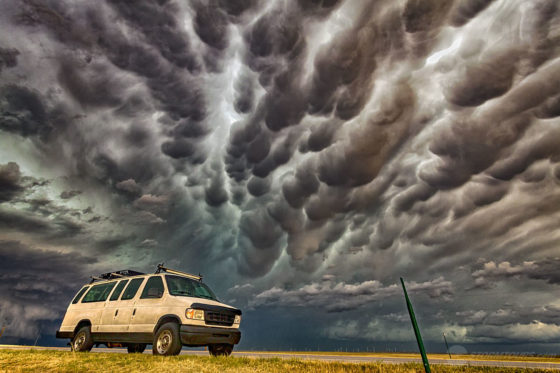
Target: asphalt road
{"points": [[342, 358]]}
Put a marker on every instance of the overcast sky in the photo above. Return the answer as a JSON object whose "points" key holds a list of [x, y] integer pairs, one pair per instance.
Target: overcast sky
{"points": [[301, 154]]}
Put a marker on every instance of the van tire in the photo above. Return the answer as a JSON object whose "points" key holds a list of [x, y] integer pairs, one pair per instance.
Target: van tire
{"points": [[136, 348], [82, 341], [222, 349], [167, 341]]}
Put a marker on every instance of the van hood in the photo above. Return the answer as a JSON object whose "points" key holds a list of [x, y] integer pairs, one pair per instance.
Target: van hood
{"points": [[189, 301]]}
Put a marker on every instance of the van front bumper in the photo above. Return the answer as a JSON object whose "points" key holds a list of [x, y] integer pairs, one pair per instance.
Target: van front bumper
{"points": [[192, 335]]}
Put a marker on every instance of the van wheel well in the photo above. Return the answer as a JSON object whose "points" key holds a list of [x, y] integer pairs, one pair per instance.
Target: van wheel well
{"points": [[165, 319], [80, 325]]}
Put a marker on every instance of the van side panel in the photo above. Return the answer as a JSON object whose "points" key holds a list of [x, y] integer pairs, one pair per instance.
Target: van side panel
{"points": [[147, 311]]}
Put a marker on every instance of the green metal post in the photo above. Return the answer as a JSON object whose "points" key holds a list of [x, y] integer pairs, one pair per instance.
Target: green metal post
{"points": [[416, 330]]}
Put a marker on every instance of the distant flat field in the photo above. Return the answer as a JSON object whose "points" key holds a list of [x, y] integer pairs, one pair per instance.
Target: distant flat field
{"points": [[19, 359]]}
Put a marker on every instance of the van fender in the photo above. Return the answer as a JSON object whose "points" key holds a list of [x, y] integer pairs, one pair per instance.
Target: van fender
{"points": [[82, 323], [165, 319]]}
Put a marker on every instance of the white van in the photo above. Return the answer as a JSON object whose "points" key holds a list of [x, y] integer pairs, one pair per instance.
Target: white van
{"points": [[168, 309]]}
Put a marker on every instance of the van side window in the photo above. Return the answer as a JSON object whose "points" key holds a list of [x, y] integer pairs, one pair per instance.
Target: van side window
{"points": [[79, 295], [153, 288], [132, 288], [118, 290], [99, 293]]}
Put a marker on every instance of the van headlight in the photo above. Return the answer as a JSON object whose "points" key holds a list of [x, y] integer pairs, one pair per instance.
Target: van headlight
{"points": [[237, 319], [194, 314]]}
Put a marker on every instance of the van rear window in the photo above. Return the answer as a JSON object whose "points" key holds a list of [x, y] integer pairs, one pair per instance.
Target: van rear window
{"points": [[99, 293], [79, 295], [132, 288]]}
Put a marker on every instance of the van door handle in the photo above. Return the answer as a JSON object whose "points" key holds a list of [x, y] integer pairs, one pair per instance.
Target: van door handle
{"points": [[134, 312], [116, 313]]}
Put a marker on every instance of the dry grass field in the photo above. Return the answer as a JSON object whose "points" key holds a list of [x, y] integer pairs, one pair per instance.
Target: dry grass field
{"points": [[487, 357], [62, 361]]}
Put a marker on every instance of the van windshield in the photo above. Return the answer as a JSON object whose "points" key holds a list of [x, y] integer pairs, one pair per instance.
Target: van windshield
{"points": [[188, 288]]}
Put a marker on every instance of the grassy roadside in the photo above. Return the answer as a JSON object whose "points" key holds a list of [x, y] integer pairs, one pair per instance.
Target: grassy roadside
{"points": [[62, 361], [489, 357]]}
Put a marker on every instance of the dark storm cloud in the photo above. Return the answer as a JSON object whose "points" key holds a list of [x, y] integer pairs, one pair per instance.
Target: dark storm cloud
{"points": [[486, 192], [322, 136], [215, 193], [242, 134], [275, 48], [318, 8], [489, 78], [93, 86], [22, 111], [178, 149], [464, 10], [67, 194], [358, 161], [174, 91], [343, 73], [258, 186], [211, 25], [129, 186], [281, 152], [302, 185], [317, 149], [36, 285], [41, 218], [421, 15], [190, 129], [245, 94], [544, 147], [8, 57], [9, 181], [19, 221], [546, 270], [550, 108], [533, 331], [158, 23], [290, 220], [259, 242], [271, 35], [506, 316], [418, 192], [341, 297], [465, 148]]}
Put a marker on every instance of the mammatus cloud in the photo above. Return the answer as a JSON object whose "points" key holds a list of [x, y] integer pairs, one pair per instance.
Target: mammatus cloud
{"points": [[284, 142]]}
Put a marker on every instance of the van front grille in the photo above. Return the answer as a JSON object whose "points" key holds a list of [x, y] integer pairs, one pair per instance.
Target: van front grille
{"points": [[219, 318]]}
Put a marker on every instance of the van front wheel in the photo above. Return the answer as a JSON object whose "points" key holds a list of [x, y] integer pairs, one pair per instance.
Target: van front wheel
{"points": [[167, 341], [82, 341]]}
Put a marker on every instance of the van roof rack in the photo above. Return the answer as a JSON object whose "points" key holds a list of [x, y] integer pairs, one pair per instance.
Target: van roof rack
{"points": [[115, 274], [160, 268]]}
